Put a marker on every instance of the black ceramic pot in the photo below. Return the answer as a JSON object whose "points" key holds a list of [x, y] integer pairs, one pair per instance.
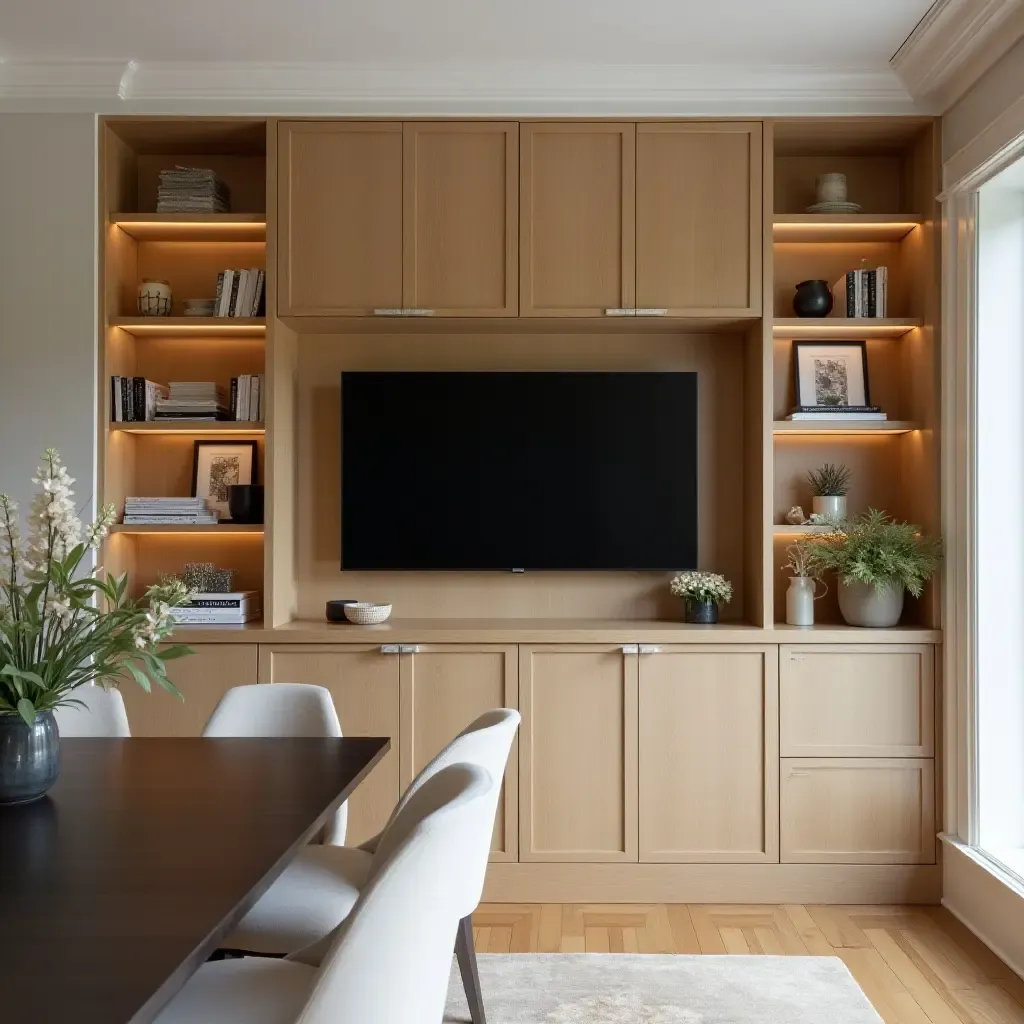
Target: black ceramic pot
{"points": [[29, 757], [703, 612], [245, 503], [813, 298], [336, 609]]}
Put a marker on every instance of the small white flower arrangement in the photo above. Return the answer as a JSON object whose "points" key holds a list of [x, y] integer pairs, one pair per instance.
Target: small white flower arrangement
{"points": [[702, 587]]}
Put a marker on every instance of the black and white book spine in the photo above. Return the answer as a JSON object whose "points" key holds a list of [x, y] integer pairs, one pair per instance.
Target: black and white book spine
{"points": [[262, 412], [139, 399], [238, 301], [233, 404], [863, 276], [115, 399], [224, 306], [229, 604], [258, 297], [835, 410], [233, 297], [126, 405], [872, 278], [243, 396], [883, 291], [254, 397], [220, 292], [851, 293]]}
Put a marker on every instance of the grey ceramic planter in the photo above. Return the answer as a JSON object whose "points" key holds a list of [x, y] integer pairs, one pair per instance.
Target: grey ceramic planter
{"points": [[862, 605], [29, 757]]}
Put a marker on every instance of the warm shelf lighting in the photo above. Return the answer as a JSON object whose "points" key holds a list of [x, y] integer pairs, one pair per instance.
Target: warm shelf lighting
{"points": [[789, 428], [843, 229], [859, 327], [189, 428]]}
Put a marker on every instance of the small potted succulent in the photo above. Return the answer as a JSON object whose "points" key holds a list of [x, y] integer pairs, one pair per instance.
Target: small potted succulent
{"points": [[877, 559], [703, 592], [829, 486]]}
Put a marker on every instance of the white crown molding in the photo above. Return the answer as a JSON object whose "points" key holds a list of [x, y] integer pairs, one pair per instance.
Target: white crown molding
{"points": [[464, 89], [954, 44]]}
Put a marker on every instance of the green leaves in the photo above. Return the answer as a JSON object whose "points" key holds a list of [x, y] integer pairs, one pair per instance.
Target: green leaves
{"points": [[27, 710]]}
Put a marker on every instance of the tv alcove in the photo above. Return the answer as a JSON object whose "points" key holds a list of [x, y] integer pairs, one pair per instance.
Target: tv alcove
{"points": [[748, 761]]}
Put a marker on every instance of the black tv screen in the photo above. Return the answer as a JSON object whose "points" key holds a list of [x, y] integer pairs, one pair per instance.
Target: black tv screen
{"points": [[509, 470]]}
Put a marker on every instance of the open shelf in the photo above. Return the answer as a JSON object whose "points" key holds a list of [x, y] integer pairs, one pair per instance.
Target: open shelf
{"points": [[843, 327], [173, 326], [193, 227], [848, 427], [190, 427], [219, 528], [788, 530], [851, 227]]}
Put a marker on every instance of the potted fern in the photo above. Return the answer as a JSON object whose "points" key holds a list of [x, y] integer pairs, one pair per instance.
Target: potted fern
{"points": [[65, 624], [877, 560], [829, 486]]}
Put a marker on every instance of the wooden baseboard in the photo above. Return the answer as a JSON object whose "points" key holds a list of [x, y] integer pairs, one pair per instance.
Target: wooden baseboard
{"points": [[713, 883]]}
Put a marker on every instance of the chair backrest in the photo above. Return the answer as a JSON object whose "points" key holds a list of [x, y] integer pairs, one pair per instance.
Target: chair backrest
{"points": [[103, 714], [391, 958], [279, 710], [485, 742]]}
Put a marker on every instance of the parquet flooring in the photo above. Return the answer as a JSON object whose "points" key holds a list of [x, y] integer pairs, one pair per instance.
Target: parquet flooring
{"points": [[916, 964]]}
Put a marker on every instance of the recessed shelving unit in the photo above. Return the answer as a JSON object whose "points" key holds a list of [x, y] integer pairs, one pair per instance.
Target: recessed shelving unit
{"points": [[192, 227], [839, 328], [852, 227], [180, 326]]}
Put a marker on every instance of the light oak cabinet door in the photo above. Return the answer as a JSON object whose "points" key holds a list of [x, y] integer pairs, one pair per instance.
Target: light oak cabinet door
{"points": [[698, 217], [461, 183], [858, 701], [203, 678], [709, 755], [841, 810], [340, 217], [577, 753], [364, 684], [577, 233], [444, 688]]}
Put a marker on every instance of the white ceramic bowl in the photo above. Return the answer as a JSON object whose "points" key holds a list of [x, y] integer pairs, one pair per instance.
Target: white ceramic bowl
{"points": [[365, 613]]}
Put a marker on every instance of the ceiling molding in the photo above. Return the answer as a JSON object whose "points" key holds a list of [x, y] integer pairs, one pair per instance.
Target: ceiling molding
{"points": [[954, 44], [466, 89]]}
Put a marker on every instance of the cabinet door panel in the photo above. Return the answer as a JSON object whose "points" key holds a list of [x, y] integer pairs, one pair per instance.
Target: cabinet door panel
{"points": [[444, 688], [203, 678], [849, 701], [577, 218], [364, 685], [578, 754], [461, 183], [340, 217], [842, 810], [709, 755], [698, 217]]}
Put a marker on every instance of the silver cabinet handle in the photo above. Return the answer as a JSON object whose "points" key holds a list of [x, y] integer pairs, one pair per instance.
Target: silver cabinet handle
{"points": [[391, 649], [417, 312], [650, 312], [619, 312], [409, 648], [630, 648], [650, 649], [388, 312]]}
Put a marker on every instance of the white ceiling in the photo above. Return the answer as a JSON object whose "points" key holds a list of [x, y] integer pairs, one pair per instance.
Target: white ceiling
{"points": [[847, 34]]}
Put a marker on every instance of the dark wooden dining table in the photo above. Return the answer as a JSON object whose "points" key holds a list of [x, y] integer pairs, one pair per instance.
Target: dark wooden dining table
{"points": [[119, 884]]}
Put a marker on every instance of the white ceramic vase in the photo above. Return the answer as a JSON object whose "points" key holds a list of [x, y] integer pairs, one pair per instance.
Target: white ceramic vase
{"points": [[831, 506], [863, 605], [154, 298], [831, 188], [800, 601]]}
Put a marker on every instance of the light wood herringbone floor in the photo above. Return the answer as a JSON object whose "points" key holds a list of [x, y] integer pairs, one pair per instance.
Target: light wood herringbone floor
{"points": [[916, 964]]}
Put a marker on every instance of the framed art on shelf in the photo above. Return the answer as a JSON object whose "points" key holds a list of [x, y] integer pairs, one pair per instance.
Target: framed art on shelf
{"points": [[218, 465], [831, 374]]}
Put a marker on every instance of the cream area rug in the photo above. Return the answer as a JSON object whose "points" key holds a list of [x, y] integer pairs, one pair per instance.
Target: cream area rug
{"points": [[616, 988]]}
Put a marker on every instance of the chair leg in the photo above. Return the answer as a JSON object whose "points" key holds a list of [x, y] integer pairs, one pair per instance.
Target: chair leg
{"points": [[466, 953]]}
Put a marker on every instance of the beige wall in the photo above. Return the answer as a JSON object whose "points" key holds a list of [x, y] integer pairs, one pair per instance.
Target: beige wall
{"points": [[47, 296]]}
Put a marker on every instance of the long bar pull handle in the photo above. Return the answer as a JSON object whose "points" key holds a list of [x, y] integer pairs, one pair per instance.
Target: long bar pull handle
{"points": [[630, 648], [650, 649], [417, 312], [409, 648], [619, 312], [389, 312], [650, 312], [391, 649]]}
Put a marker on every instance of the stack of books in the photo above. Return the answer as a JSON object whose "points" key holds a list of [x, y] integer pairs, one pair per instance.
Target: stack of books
{"points": [[169, 511], [135, 399], [219, 609], [861, 293], [248, 397], [836, 413], [192, 190], [240, 292], [193, 400]]}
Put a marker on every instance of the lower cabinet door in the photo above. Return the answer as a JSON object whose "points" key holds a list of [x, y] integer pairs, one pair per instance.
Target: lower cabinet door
{"points": [[577, 753], [709, 754], [202, 677], [444, 688], [846, 810], [364, 683]]}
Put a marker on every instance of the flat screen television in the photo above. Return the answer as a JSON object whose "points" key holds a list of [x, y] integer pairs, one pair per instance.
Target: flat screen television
{"points": [[518, 471]]}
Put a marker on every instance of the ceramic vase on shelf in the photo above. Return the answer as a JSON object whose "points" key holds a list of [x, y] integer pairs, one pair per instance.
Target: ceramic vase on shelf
{"points": [[863, 605], [154, 298], [701, 612], [831, 188], [800, 601], [812, 299], [29, 757], [831, 506]]}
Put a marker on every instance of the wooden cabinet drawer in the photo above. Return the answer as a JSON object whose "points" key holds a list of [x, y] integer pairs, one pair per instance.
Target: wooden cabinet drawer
{"points": [[857, 811], [845, 701]]}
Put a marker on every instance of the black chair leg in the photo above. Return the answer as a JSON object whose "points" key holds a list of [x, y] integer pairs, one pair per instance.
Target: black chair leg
{"points": [[466, 953]]}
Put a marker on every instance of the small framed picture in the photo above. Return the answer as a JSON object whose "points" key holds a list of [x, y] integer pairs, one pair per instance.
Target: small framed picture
{"points": [[217, 465], [831, 373]]}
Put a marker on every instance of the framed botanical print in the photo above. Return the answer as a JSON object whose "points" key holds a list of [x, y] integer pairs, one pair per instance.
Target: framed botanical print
{"points": [[218, 465], [831, 374]]}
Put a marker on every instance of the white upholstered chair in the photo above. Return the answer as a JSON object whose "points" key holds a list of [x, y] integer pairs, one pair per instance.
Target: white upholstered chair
{"points": [[390, 961], [278, 710], [103, 714], [319, 888]]}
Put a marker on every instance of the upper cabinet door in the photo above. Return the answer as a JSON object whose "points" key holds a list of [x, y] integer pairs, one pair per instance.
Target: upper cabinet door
{"points": [[461, 217], [577, 219], [340, 217], [698, 218]]}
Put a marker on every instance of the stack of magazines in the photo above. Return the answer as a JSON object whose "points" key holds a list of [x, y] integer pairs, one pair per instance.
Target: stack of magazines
{"points": [[219, 609], [194, 400], [192, 190], [166, 511]]}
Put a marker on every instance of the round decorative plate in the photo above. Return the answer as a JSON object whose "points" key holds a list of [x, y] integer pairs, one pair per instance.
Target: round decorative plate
{"points": [[834, 208]]}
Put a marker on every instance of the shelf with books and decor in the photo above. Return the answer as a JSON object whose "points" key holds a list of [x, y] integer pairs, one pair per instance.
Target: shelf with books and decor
{"points": [[844, 327], [181, 326], [851, 227], [192, 227], [190, 427]]}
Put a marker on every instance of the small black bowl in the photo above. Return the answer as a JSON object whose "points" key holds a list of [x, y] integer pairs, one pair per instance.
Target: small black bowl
{"points": [[336, 609], [245, 503]]}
